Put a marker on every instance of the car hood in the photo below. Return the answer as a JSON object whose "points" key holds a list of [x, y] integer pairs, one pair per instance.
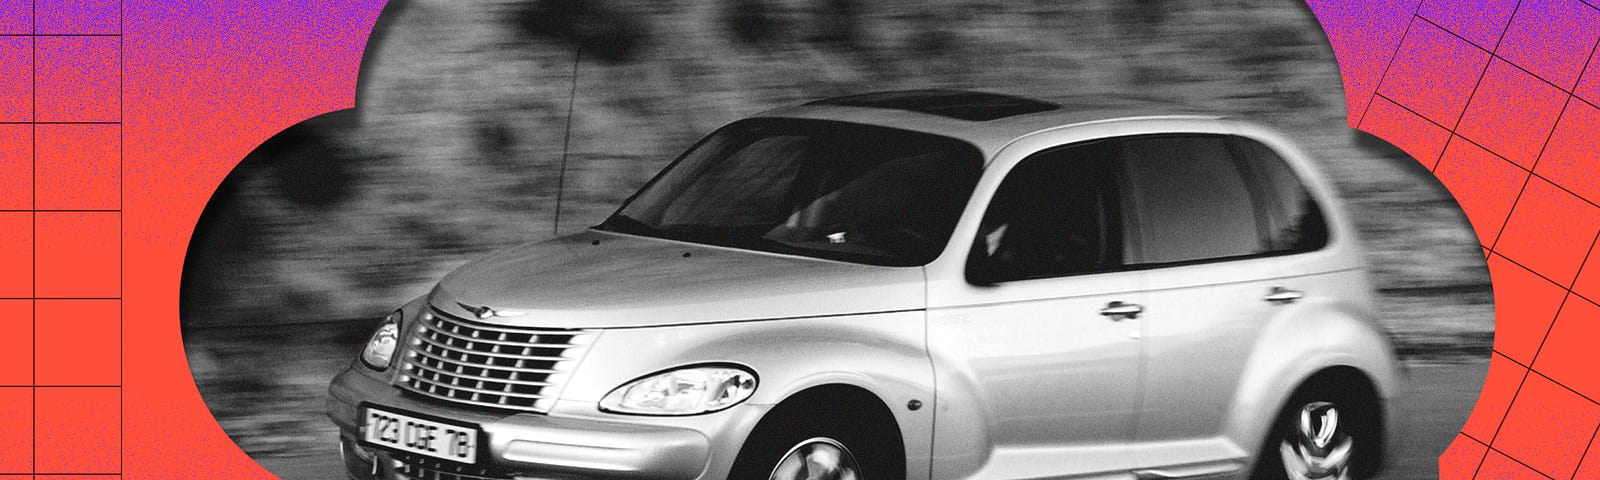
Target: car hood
{"points": [[606, 280]]}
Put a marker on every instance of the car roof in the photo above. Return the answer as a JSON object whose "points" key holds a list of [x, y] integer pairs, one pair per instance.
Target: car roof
{"points": [[989, 121]]}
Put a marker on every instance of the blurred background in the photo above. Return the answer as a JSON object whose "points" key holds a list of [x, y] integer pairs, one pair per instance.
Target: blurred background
{"points": [[474, 116]]}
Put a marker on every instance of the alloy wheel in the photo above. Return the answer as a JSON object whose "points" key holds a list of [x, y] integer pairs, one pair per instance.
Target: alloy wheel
{"points": [[817, 459], [1318, 448]]}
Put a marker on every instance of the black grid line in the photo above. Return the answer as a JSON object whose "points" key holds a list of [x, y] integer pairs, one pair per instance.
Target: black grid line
{"points": [[63, 298], [61, 386], [1481, 457], [1490, 448], [1590, 4], [122, 235], [60, 123], [1585, 453], [33, 225], [1500, 425], [48, 34]]}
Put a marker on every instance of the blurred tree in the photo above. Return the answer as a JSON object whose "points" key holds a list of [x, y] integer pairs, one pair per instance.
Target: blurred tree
{"points": [[308, 167], [599, 29], [312, 167], [837, 24], [1143, 18], [752, 23]]}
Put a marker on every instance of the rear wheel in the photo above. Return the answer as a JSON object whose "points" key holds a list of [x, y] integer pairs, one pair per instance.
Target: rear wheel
{"points": [[1318, 447], [1325, 432]]}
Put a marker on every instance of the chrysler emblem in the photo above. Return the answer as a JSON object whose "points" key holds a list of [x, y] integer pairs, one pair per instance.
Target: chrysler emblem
{"points": [[485, 312]]}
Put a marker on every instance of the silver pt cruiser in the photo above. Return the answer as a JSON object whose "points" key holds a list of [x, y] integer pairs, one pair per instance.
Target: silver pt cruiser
{"points": [[919, 284]]}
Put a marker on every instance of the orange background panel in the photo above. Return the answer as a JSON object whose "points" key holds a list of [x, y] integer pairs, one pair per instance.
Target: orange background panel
{"points": [[16, 79], [16, 343], [16, 254], [16, 167], [78, 79], [78, 167], [78, 254], [77, 429], [78, 342], [16, 420]]}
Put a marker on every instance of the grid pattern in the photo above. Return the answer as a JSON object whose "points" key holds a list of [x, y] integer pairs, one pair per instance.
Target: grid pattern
{"points": [[60, 238], [1499, 99]]}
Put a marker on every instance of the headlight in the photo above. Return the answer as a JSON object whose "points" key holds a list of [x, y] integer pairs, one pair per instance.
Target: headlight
{"points": [[380, 348], [684, 391]]}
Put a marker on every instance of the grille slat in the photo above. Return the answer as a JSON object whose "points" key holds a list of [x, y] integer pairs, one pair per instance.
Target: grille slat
{"points": [[510, 369], [507, 393], [502, 341], [470, 377], [461, 361], [471, 349], [505, 329]]}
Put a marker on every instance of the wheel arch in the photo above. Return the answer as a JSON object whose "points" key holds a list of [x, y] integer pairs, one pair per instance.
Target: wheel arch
{"points": [[1370, 412], [834, 402], [1317, 342]]}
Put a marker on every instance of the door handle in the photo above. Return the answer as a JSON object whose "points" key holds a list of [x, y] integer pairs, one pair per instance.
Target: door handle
{"points": [[1118, 310], [1280, 295]]}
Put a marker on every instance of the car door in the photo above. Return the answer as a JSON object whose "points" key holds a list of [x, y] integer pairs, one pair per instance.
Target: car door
{"points": [[1217, 239], [1037, 353]]}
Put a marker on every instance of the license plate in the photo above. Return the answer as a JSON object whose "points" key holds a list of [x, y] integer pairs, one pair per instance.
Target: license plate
{"points": [[410, 434]]}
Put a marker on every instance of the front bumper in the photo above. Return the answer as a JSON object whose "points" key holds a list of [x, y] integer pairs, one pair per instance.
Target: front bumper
{"points": [[573, 441]]}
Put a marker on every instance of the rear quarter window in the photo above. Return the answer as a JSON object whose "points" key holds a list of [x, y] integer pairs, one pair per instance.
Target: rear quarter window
{"points": [[1294, 220]]}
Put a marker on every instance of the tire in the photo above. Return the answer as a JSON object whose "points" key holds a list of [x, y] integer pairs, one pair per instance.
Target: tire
{"points": [[1327, 431], [801, 445]]}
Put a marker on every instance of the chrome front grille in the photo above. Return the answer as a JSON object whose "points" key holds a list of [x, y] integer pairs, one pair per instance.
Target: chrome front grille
{"points": [[504, 367]]}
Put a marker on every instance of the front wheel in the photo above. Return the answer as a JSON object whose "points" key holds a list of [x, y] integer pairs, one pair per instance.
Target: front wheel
{"points": [[821, 444], [819, 458]]}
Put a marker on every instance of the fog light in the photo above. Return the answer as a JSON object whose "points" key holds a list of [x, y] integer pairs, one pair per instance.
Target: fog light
{"points": [[357, 459]]}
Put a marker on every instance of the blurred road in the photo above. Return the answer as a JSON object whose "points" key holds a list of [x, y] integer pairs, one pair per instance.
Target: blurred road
{"points": [[1429, 413]]}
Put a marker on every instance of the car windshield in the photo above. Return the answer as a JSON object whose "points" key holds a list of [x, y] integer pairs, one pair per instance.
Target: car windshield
{"points": [[833, 190]]}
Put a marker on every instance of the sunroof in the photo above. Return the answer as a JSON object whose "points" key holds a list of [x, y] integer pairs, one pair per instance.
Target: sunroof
{"points": [[974, 106]]}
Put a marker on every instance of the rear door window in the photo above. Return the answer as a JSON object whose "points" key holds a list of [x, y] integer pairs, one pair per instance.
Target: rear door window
{"points": [[1191, 200]]}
